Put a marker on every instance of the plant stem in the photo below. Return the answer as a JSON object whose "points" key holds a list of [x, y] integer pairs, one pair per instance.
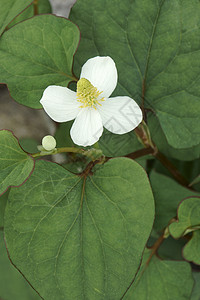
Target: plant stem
{"points": [[155, 248], [92, 153], [59, 150], [88, 170], [35, 7], [140, 153]]}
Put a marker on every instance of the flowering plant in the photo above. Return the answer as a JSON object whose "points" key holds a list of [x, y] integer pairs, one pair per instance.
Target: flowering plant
{"points": [[103, 202]]}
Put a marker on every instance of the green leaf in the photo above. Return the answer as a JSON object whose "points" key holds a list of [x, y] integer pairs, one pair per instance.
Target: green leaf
{"points": [[29, 145], [114, 145], [9, 10], [12, 285], [44, 7], [3, 202], [188, 221], [161, 279], [80, 238], [196, 289], [192, 248], [160, 140], [155, 45], [171, 249], [167, 194], [35, 54], [76, 166], [188, 218], [62, 135], [15, 164]]}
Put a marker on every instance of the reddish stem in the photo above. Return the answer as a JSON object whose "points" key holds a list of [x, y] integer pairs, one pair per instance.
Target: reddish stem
{"points": [[140, 153], [35, 7]]}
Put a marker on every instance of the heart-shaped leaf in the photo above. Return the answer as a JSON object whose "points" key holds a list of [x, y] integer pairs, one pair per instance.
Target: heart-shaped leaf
{"points": [[80, 238], [35, 54]]}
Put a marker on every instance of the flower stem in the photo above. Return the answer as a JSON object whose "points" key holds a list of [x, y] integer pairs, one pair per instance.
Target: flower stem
{"points": [[92, 153], [59, 150]]}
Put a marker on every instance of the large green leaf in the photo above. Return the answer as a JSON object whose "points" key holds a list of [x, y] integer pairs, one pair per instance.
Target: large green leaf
{"points": [[35, 54], [10, 9], [168, 194], [80, 238], [15, 164], [161, 279], [156, 47], [12, 284], [44, 7]]}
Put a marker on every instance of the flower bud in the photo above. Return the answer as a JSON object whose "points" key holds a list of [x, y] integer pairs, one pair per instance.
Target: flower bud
{"points": [[49, 142]]}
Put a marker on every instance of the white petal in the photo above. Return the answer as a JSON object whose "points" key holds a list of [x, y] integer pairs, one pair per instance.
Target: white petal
{"points": [[120, 114], [60, 103], [87, 128], [102, 73]]}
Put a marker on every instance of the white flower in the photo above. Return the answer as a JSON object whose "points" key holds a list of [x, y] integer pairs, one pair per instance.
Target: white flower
{"points": [[91, 106]]}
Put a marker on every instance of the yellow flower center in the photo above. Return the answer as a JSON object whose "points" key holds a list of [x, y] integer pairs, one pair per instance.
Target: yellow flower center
{"points": [[87, 94]]}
